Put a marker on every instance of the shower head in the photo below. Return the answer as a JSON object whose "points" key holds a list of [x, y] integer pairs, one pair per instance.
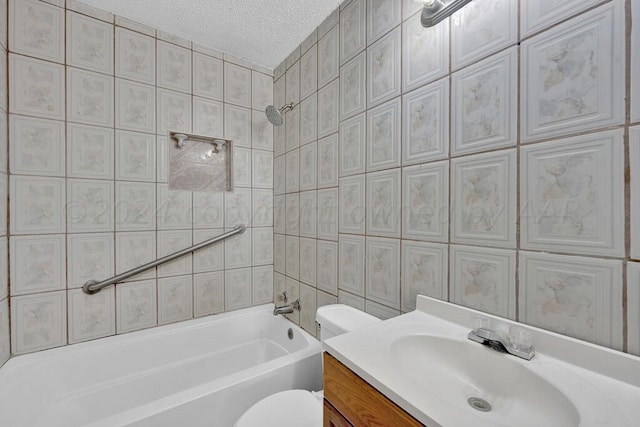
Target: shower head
{"points": [[275, 115]]}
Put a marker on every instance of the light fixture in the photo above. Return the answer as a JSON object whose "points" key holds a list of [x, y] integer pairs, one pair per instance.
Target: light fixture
{"points": [[436, 10]]}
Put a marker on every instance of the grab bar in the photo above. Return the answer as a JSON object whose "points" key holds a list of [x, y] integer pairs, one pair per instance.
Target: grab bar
{"points": [[93, 286]]}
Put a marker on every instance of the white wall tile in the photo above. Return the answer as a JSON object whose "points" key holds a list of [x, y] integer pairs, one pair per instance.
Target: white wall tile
{"points": [[308, 167], [37, 205], [309, 119], [382, 15], [210, 258], [261, 246], [237, 250], [328, 214], [383, 136], [262, 168], [353, 140], [175, 299], [135, 156], [485, 99], [570, 195], [292, 167], [328, 52], [424, 272], [483, 279], [352, 204], [380, 311], [4, 268], [261, 131], [353, 26], [207, 76], [308, 308], [90, 152], [351, 264], [480, 29], [91, 316], [173, 241], [308, 72], [261, 90], [5, 339], [135, 56], [38, 322], [425, 123], [292, 255], [89, 98], [135, 106], [353, 76], [327, 266], [237, 207], [174, 67], [537, 15], [425, 52], [36, 29], [328, 112], [37, 146], [572, 76], [237, 85], [575, 296], [279, 253], [308, 214], [135, 206], [36, 88], [242, 167], [237, 125], [383, 203], [262, 284], [89, 205], [633, 308], [134, 249], [89, 43], [237, 284], [90, 256], [328, 161], [208, 293], [208, 210], [174, 111], [292, 129], [292, 286], [425, 202], [136, 306], [383, 68], [354, 301], [483, 199], [308, 261], [292, 84], [383, 271], [262, 203], [37, 264]]}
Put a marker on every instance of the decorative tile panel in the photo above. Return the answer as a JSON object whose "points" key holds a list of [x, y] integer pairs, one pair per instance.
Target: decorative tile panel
{"points": [[262, 285], [135, 156], [262, 204], [208, 293], [262, 169], [242, 167], [383, 68], [353, 140], [38, 322], [425, 134], [237, 85], [37, 146], [89, 205], [175, 299], [36, 29], [351, 264], [352, 87], [292, 129], [135, 56], [308, 167], [37, 264], [309, 119], [174, 112], [328, 161], [328, 51], [90, 152], [174, 67], [328, 98], [382, 15], [425, 202], [537, 15], [136, 306], [570, 197], [237, 284], [210, 258], [485, 100], [309, 72], [261, 90], [37, 205], [292, 166], [483, 279], [135, 206], [483, 199], [328, 214], [173, 209], [308, 261], [383, 136], [89, 98], [207, 117], [279, 253], [424, 272], [292, 255], [261, 131], [352, 30], [327, 266], [383, 203], [237, 125], [572, 76], [261, 246], [575, 296], [292, 214], [135, 106], [134, 249], [90, 257], [89, 43], [308, 314], [36, 88], [425, 52], [383, 271], [292, 84], [482, 28], [207, 76], [91, 316], [208, 210], [237, 207], [170, 242], [352, 204]]}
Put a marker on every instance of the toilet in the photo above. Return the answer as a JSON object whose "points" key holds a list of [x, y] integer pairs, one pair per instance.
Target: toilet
{"points": [[302, 408]]}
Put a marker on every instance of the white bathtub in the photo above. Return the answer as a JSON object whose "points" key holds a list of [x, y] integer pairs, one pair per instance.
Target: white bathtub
{"points": [[203, 372]]}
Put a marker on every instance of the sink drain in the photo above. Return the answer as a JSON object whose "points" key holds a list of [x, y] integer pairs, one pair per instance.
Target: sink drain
{"points": [[479, 404]]}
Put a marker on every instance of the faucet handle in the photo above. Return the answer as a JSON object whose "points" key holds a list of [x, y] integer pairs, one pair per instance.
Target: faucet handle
{"points": [[520, 338], [282, 297], [481, 322]]}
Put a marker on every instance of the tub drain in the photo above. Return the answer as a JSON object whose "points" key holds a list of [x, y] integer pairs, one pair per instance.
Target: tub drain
{"points": [[479, 404]]}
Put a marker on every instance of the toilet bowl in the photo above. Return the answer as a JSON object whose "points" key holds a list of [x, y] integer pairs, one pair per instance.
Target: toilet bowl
{"points": [[302, 408]]}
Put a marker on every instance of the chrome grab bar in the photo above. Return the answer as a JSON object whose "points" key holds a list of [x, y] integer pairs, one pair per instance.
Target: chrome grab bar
{"points": [[93, 286]]}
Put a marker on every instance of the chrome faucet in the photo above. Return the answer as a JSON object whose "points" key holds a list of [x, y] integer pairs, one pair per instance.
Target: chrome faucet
{"points": [[501, 342], [287, 308]]}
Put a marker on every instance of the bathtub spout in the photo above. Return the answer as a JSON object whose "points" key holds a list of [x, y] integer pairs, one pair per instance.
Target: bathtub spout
{"points": [[287, 309]]}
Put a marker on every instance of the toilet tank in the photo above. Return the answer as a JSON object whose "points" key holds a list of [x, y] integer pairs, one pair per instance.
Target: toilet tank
{"points": [[337, 319]]}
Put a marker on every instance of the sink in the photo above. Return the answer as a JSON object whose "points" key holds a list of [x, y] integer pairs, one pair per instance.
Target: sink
{"points": [[472, 378]]}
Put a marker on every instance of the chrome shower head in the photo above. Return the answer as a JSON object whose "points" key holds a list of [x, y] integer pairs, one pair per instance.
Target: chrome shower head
{"points": [[275, 115]]}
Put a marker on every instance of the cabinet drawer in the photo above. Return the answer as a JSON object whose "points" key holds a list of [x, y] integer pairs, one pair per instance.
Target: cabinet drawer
{"points": [[357, 401]]}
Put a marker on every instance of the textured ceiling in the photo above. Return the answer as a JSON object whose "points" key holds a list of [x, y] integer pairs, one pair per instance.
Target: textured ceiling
{"points": [[261, 31]]}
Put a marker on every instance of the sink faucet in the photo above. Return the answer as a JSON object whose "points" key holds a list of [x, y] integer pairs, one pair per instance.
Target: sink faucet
{"points": [[287, 308], [501, 342]]}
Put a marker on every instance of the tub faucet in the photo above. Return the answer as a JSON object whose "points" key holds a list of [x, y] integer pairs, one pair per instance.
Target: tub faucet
{"points": [[287, 309], [503, 343]]}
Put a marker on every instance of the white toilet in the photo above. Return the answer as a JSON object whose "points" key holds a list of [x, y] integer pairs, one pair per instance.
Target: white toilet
{"points": [[302, 408]]}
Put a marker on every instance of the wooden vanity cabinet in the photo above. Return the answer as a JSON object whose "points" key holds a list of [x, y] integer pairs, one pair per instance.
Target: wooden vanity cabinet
{"points": [[352, 402]]}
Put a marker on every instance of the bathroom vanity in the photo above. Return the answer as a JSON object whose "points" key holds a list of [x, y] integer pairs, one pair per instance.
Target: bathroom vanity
{"points": [[422, 368]]}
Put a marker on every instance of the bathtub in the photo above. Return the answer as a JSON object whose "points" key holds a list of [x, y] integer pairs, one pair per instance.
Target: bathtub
{"points": [[202, 372]]}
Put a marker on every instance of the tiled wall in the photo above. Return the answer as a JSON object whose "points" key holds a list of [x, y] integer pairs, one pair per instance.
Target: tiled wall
{"points": [[92, 97], [481, 161], [5, 348]]}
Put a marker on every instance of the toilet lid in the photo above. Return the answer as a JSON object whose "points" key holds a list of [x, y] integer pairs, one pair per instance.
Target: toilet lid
{"points": [[291, 408]]}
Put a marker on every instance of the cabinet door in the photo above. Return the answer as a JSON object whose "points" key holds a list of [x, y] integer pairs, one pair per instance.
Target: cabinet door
{"points": [[332, 418]]}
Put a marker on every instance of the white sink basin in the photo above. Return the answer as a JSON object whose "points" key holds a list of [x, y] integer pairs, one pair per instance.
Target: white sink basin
{"points": [[424, 362], [468, 375]]}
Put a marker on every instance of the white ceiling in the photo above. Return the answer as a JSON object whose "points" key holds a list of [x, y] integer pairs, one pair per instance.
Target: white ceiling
{"points": [[261, 31]]}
